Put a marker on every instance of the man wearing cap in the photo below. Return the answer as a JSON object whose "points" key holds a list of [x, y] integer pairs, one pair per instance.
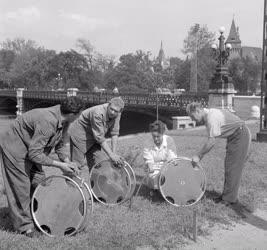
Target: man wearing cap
{"points": [[87, 133], [224, 124], [25, 147]]}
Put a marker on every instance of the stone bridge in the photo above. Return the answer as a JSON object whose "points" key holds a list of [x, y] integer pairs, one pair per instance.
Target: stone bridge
{"points": [[140, 109]]}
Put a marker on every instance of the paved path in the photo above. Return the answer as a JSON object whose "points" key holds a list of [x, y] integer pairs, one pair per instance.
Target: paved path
{"points": [[250, 235]]}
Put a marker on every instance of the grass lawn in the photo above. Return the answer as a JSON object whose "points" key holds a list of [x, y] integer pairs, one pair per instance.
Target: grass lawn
{"points": [[152, 222]]}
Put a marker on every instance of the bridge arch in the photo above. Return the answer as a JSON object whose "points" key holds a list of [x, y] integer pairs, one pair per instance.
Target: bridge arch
{"points": [[137, 121], [8, 105]]}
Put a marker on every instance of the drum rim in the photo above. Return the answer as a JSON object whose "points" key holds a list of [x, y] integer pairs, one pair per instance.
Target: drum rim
{"points": [[88, 190], [202, 171], [110, 204], [134, 179], [81, 192]]}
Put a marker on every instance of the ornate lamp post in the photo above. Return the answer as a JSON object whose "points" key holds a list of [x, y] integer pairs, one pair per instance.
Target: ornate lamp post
{"points": [[262, 135], [58, 79], [221, 89]]}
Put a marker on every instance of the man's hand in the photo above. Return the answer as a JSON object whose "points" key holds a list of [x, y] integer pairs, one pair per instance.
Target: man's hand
{"points": [[70, 168], [118, 160], [195, 160]]}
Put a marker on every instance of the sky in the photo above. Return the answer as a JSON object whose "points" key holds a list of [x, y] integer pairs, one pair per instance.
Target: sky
{"points": [[116, 27]]}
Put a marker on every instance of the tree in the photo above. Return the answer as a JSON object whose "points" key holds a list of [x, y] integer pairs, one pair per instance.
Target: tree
{"points": [[197, 46], [132, 72], [24, 63], [182, 74], [6, 59], [18, 45], [71, 66], [245, 73]]}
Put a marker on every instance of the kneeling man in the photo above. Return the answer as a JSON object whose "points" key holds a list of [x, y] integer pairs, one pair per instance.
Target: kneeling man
{"points": [[157, 151]]}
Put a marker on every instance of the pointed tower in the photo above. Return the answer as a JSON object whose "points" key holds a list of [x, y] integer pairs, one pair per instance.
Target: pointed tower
{"points": [[234, 40], [161, 59]]}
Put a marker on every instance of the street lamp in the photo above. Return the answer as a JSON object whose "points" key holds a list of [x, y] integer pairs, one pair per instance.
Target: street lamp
{"points": [[221, 89], [58, 78], [221, 54]]}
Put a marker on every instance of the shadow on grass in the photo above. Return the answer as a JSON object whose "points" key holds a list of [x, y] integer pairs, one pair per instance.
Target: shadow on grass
{"points": [[242, 211], [5, 223], [145, 192], [248, 217]]}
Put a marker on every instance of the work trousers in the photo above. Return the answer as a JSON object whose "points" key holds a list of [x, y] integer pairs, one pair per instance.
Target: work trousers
{"points": [[237, 149], [21, 177], [94, 155]]}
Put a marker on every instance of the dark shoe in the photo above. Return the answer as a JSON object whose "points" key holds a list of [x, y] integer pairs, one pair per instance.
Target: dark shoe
{"points": [[217, 199], [227, 203], [220, 200], [32, 233]]}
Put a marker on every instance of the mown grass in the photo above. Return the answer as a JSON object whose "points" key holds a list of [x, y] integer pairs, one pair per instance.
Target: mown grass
{"points": [[152, 222]]}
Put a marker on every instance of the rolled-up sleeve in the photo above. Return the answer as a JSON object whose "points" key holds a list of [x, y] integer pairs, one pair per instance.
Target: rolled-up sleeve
{"points": [[171, 149], [148, 157], [115, 128], [42, 134], [97, 127]]}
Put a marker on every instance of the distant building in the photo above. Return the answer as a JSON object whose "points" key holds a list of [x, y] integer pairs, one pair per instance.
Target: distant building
{"points": [[161, 60], [237, 49]]}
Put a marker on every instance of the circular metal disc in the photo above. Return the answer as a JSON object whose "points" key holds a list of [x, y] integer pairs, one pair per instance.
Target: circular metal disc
{"points": [[58, 206], [110, 184], [180, 183]]}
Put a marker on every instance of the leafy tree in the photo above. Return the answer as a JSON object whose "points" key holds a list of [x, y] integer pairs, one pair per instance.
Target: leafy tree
{"points": [[71, 66], [18, 45], [133, 71], [245, 73], [182, 74], [197, 46], [6, 59]]}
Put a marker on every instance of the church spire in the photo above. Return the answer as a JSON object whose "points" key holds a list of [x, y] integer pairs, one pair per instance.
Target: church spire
{"points": [[161, 56], [233, 37]]}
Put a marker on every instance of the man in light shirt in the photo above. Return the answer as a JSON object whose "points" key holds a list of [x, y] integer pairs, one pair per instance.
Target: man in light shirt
{"points": [[157, 152], [224, 124]]}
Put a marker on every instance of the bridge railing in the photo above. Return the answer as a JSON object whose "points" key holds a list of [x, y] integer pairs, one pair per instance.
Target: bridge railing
{"points": [[132, 99], [147, 99], [8, 92], [50, 95]]}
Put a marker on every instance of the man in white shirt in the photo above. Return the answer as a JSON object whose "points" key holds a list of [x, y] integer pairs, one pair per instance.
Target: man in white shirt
{"points": [[157, 151], [224, 124]]}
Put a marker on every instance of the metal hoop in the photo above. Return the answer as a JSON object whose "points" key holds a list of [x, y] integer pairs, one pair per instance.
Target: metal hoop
{"points": [[85, 186], [133, 178], [98, 191], [48, 195], [176, 189]]}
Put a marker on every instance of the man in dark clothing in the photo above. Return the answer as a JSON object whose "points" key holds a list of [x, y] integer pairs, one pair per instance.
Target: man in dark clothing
{"points": [[25, 147], [87, 133]]}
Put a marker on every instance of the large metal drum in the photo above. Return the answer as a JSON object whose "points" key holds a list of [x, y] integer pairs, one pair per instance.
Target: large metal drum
{"points": [[111, 184], [60, 205], [180, 183]]}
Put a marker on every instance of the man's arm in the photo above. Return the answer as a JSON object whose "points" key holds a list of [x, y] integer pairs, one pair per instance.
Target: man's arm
{"points": [[41, 136], [114, 141], [112, 155], [204, 150]]}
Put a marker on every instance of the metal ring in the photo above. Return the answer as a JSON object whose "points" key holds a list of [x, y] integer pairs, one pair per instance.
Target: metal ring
{"points": [[170, 199], [34, 197], [96, 196]]}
